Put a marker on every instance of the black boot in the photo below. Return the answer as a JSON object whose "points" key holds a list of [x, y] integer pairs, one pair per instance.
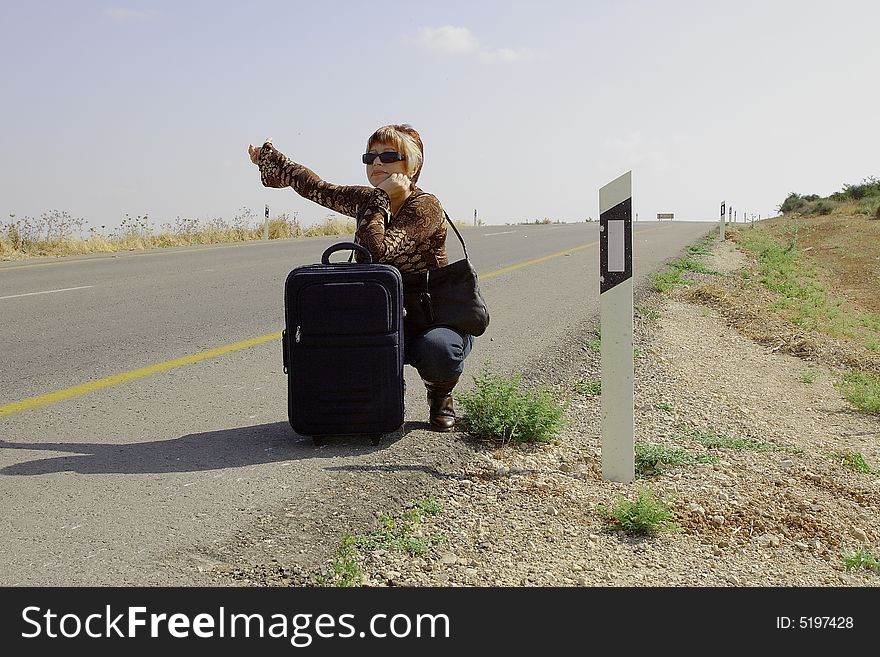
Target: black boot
{"points": [[442, 413]]}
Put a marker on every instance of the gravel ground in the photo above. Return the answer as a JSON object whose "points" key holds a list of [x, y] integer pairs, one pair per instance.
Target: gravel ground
{"points": [[531, 516]]}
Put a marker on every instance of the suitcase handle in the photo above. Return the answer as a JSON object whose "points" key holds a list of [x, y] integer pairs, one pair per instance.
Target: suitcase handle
{"points": [[345, 246]]}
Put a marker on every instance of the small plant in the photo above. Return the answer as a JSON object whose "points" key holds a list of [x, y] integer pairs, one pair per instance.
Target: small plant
{"points": [[697, 249], [594, 345], [852, 461], [343, 570], [689, 264], [649, 458], [591, 388], [430, 506], [861, 558], [649, 314], [667, 281], [862, 390], [664, 406], [498, 410], [395, 534], [645, 516], [714, 440], [809, 376], [398, 534]]}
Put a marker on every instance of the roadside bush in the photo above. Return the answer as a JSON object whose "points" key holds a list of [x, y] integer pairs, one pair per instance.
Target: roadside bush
{"points": [[821, 208], [792, 203], [498, 410]]}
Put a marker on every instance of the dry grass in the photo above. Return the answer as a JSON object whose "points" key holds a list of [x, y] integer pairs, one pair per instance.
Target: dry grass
{"points": [[56, 233]]}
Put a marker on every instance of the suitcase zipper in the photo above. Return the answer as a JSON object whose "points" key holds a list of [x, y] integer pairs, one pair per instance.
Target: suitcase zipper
{"points": [[298, 335]]}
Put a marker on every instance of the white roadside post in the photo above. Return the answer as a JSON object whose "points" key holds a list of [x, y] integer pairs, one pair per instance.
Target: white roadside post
{"points": [[721, 223], [616, 322], [266, 225]]}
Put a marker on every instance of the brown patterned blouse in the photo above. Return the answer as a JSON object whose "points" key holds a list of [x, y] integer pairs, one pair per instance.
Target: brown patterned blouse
{"points": [[412, 240]]}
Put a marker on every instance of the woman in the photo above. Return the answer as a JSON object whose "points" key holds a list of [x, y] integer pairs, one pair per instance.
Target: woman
{"points": [[401, 226]]}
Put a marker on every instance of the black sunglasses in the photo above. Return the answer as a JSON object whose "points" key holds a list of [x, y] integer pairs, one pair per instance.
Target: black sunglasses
{"points": [[385, 158]]}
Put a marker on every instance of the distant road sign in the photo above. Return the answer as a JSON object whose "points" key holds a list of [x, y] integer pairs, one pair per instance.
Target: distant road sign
{"points": [[665, 215]]}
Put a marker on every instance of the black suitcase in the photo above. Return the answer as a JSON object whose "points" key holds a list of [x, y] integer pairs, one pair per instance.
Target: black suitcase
{"points": [[343, 347]]}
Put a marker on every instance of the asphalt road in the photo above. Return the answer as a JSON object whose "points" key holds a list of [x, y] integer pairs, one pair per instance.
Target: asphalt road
{"points": [[181, 459]]}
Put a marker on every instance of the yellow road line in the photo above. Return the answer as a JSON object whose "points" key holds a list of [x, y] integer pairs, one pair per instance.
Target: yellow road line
{"points": [[498, 272], [100, 384]]}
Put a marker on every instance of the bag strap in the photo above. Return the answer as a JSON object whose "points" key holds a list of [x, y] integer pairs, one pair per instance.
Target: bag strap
{"points": [[458, 235]]}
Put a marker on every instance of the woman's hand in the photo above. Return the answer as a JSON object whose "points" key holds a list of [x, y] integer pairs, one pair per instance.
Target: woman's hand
{"points": [[396, 185], [254, 151]]}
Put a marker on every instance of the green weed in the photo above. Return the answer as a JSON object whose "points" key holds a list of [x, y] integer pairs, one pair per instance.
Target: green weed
{"points": [[498, 410], [591, 388], [645, 516], [429, 505], [397, 534], [344, 570], [689, 264], [667, 281], [852, 461], [861, 558], [862, 390], [594, 345], [714, 440], [649, 458]]}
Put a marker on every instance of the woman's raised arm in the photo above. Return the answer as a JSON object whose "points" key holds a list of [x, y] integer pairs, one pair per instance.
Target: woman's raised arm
{"points": [[277, 170]]}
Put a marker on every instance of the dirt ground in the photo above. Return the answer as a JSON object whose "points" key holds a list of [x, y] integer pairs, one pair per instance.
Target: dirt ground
{"points": [[847, 247]]}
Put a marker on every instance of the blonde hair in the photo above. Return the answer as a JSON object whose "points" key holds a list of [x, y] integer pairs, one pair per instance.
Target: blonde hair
{"points": [[406, 140]]}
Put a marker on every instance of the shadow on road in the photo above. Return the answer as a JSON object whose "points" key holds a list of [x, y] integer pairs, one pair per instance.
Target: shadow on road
{"points": [[211, 450]]}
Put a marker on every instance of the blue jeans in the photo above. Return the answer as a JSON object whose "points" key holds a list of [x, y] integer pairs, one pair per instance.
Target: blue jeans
{"points": [[438, 354]]}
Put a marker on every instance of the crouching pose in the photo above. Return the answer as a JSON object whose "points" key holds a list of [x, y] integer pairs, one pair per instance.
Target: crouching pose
{"points": [[401, 226]]}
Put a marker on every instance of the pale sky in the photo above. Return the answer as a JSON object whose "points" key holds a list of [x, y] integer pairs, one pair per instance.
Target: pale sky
{"points": [[525, 108]]}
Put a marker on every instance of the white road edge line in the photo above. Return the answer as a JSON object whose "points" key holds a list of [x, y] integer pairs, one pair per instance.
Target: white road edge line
{"points": [[30, 294], [502, 233]]}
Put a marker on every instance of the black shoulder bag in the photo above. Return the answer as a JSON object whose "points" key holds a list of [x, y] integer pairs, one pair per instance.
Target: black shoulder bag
{"points": [[447, 296]]}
